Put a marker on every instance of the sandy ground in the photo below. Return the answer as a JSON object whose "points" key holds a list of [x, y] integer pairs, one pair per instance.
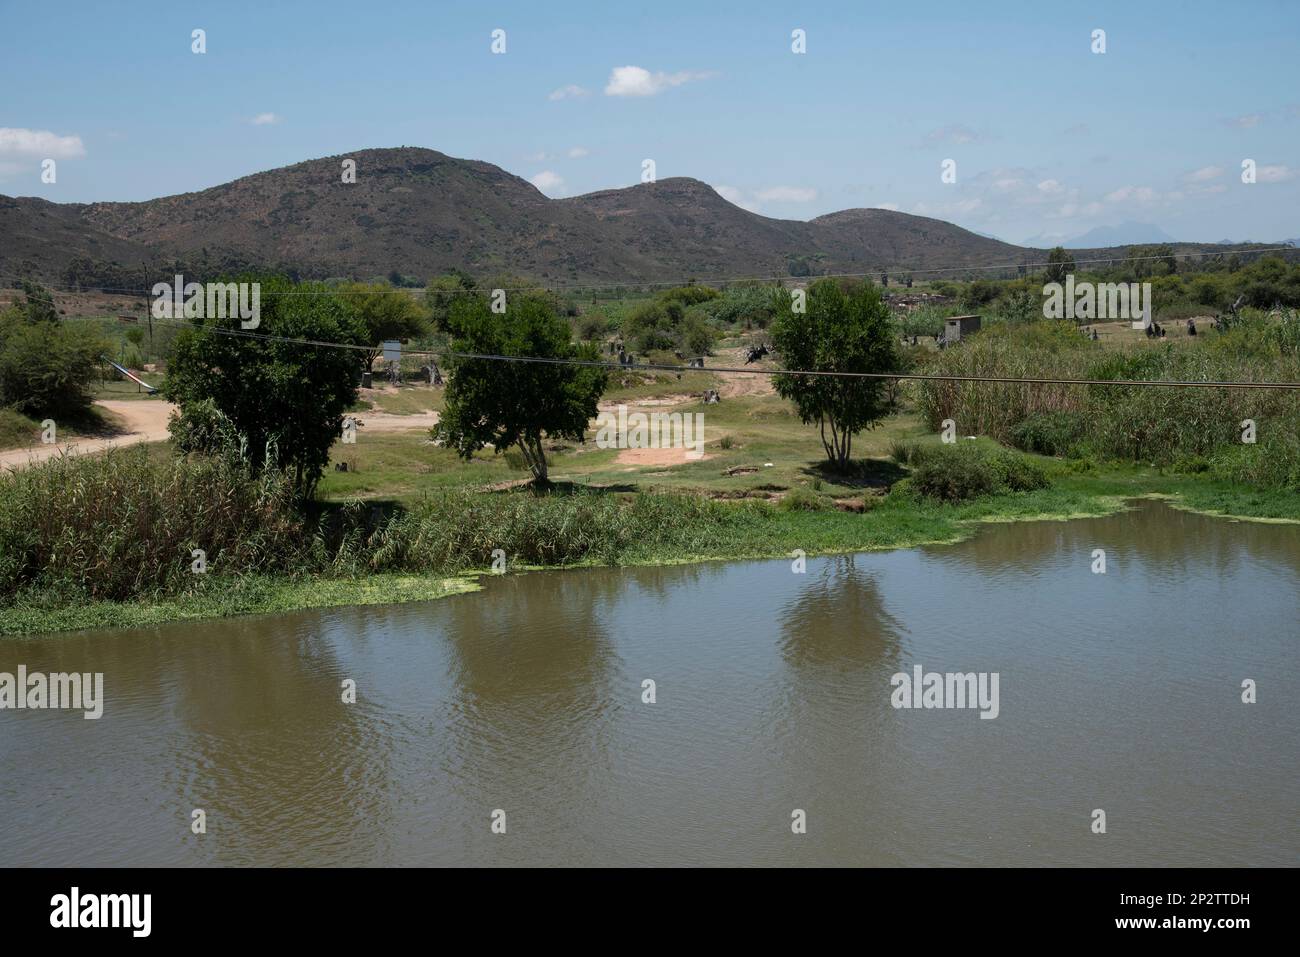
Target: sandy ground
{"points": [[144, 419], [742, 383], [733, 384], [655, 457], [387, 422]]}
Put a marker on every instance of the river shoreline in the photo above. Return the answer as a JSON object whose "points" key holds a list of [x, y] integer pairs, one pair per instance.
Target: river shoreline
{"points": [[899, 522]]}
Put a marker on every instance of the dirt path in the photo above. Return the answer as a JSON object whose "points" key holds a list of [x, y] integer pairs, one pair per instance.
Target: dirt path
{"points": [[662, 458], [390, 422], [145, 420], [742, 383]]}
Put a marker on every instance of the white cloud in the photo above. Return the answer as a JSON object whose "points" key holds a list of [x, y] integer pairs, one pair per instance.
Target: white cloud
{"points": [[578, 152], [773, 194], [1274, 174], [949, 211], [572, 91], [1050, 187], [955, 135], [265, 119], [1133, 194], [736, 197], [1247, 122], [637, 81], [39, 143], [1203, 174], [548, 181], [787, 194]]}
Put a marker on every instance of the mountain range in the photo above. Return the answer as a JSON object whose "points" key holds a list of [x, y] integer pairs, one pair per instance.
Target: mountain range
{"points": [[418, 213]]}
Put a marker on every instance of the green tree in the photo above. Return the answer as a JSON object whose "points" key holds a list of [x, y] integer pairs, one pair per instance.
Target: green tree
{"points": [[40, 303], [1059, 264], [441, 292], [386, 313], [501, 403], [655, 325], [46, 365], [285, 399], [837, 332]]}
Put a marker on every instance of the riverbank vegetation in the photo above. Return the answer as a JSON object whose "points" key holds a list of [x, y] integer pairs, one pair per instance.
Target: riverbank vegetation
{"points": [[253, 478]]}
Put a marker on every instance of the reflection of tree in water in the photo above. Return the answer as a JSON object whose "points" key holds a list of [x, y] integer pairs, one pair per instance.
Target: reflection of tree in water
{"points": [[534, 673], [833, 734], [1173, 543], [838, 620], [662, 580], [284, 768]]}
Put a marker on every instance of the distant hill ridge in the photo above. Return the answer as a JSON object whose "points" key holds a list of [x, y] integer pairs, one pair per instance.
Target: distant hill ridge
{"points": [[420, 213]]}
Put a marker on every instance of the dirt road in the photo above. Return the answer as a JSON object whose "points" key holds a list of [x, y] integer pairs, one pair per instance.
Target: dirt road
{"points": [[390, 422], [145, 420]]}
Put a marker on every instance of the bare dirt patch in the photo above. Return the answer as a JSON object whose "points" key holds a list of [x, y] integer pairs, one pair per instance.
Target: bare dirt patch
{"points": [[742, 383], [391, 422], [142, 420], [655, 457], [632, 406]]}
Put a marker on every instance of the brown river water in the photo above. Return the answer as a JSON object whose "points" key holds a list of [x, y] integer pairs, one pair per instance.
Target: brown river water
{"points": [[1119, 691]]}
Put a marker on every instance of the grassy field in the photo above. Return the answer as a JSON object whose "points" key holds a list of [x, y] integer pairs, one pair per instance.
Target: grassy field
{"points": [[125, 388]]}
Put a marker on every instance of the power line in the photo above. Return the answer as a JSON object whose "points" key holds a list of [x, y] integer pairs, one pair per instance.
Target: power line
{"points": [[891, 376]]}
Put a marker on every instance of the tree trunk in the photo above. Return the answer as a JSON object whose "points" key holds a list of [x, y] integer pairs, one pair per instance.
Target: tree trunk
{"points": [[838, 447], [535, 457]]}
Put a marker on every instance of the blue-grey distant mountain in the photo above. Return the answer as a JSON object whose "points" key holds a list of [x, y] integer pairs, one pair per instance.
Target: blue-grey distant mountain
{"points": [[1125, 234]]}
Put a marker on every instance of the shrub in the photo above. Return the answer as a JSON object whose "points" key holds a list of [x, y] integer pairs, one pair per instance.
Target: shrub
{"points": [[689, 295], [750, 305], [1274, 462], [120, 525], [46, 367], [697, 337], [656, 325], [802, 500], [1016, 472], [1049, 433], [592, 327], [955, 473], [966, 470]]}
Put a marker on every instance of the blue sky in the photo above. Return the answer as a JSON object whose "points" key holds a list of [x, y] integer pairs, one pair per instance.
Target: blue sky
{"points": [[1049, 138]]}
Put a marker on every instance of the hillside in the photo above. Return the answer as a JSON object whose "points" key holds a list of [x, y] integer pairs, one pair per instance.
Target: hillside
{"points": [[421, 213]]}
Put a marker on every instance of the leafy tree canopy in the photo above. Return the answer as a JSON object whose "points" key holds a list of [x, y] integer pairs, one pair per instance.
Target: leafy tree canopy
{"points": [[837, 332], [386, 313], [498, 403], [285, 399], [1059, 264]]}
